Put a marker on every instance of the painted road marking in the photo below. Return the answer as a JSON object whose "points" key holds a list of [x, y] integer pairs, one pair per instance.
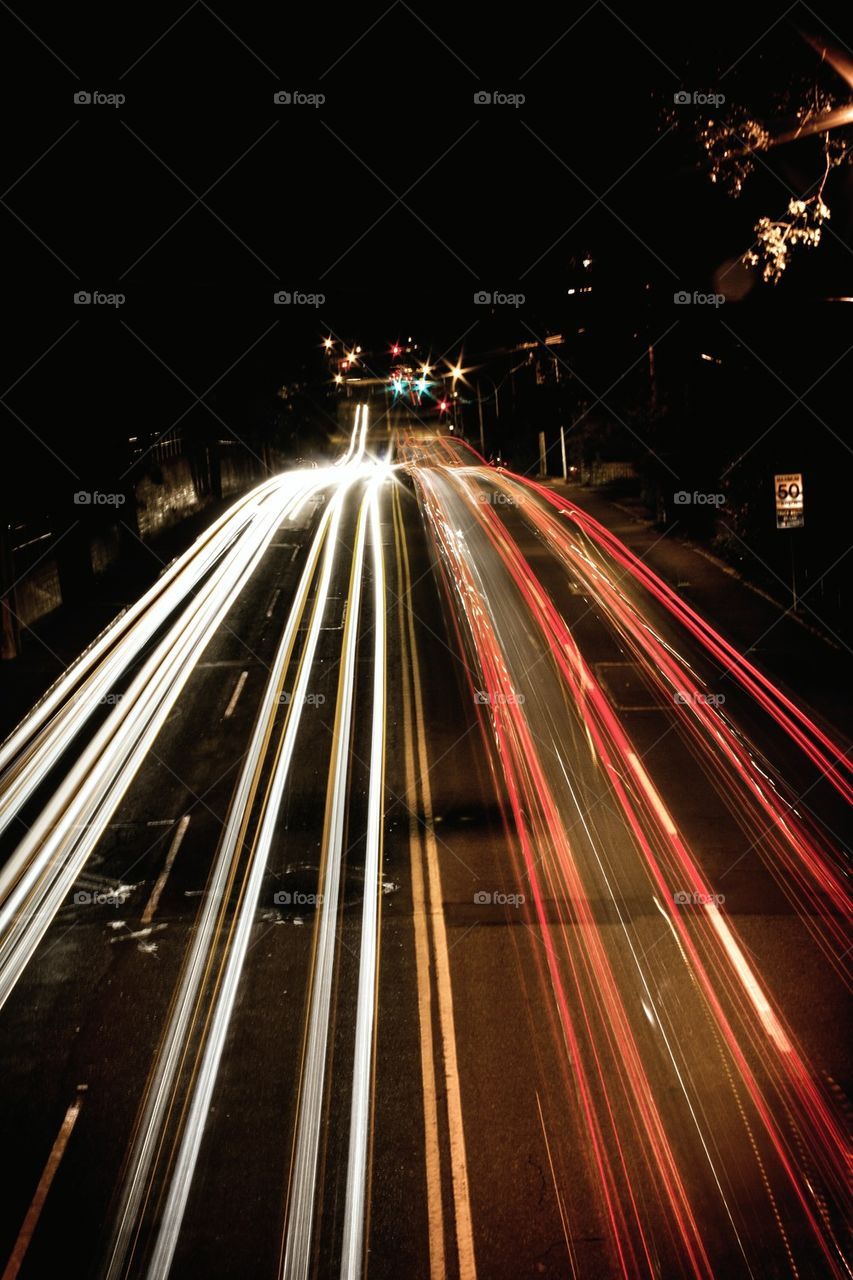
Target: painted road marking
{"points": [[458, 1156], [177, 840], [238, 689], [30, 1222]]}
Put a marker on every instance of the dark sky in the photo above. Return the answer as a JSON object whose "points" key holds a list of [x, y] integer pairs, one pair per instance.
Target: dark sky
{"points": [[396, 199]]}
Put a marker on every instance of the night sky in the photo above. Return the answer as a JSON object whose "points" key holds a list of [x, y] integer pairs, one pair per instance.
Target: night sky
{"points": [[396, 199]]}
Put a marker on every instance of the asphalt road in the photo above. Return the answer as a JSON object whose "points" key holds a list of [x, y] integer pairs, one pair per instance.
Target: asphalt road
{"points": [[411, 887]]}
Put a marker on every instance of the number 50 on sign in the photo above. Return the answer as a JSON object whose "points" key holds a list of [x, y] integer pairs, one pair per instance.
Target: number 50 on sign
{"points": [[789, 501]]}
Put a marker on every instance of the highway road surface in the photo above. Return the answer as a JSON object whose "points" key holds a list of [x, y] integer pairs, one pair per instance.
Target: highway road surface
{"points": [[411, 884]]}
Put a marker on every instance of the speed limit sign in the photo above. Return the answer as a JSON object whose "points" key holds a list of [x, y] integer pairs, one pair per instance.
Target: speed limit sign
{"points": [[789, 501]]}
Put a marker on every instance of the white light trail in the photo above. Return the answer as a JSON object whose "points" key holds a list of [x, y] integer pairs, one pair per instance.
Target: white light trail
{"points": [[354, 1212], [39, 741], [184, 1168], [39, 875], [297, 1252]]}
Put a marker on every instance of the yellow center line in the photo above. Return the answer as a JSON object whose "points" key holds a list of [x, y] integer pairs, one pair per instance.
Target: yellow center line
{"points": [[435, 1211], [458, 1156]]}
